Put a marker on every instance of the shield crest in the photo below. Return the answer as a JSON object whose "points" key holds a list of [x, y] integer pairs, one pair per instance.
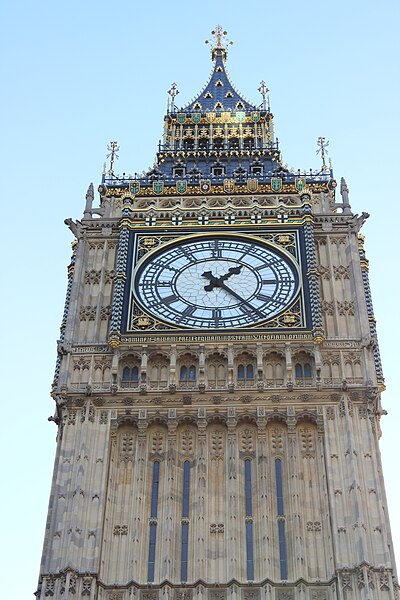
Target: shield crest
{"points": [[252, 185], [181, 117], [225, 116], [255, 116], [181, 187], [300, 183], [205, 186], [158, 187], [240, 116], [229, 185], [134, 187], [276, 184], [196, 117], [211, 117]]}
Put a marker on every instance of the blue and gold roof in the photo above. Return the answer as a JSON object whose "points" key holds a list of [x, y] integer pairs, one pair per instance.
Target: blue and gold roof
{"points": [[218, 142], [219, 93]]}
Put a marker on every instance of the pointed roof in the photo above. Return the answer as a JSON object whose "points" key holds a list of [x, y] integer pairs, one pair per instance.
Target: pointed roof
{"points": [[219, 93]]}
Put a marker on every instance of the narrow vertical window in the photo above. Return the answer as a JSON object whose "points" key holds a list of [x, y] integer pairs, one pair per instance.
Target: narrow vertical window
{"points": [[185, 521], [125, 374], [135, 374], [248, 520], [240, 372], [249, 372], [298, 371], [281, 519], [153, 521]]}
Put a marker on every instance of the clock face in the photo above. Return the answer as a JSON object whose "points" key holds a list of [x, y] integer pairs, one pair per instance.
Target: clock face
{"points": [[216, 282]]}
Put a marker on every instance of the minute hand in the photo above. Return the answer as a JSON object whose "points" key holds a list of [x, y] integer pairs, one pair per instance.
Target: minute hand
{"points": [[222, 285]]}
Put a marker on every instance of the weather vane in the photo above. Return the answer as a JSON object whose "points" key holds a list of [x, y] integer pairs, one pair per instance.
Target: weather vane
{"points": [[263, 91], [112, 148], [219, 38], [322, 144], [173, 92]]}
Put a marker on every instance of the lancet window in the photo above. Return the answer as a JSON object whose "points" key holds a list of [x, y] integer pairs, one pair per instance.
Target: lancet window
{"points": [[303, 369], [130, 372], [185, 521], [249, 520], [158, 370], [153, 521], [216, 371], [274, 370], [281, 519]]}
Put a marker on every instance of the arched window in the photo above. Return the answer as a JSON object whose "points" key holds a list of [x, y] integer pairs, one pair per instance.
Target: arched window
{"points": [[216, 371], [240, 372], [303, 369], [307, 370], [130, 374], [298, 371], [245, 372], [187, 373], [274, 370]]}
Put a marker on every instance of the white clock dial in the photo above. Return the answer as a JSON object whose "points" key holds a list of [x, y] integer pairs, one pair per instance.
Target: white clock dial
{"points": [[216, 282]]}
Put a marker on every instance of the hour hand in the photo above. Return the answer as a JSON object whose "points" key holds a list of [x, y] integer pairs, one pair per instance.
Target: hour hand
{"points": [[214, 281]]}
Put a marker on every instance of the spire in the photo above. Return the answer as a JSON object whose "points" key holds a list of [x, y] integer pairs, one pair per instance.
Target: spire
{"points": [[219, 94], [344, 192], [89, 201]]}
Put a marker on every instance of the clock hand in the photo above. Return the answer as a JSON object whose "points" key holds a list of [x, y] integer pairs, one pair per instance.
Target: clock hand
{"points": [[238, 297], [218, 282], [231, 271], [215, 281]]}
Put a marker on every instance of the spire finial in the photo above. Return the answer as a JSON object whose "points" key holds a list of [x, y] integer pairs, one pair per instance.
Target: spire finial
{"points": [[173, 92], [322, 144], [263, 91], [112, 148], [219, 42]]}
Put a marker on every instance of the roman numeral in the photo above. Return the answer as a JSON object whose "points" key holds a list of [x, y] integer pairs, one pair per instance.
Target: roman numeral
{"points": [[216, 314], [188, 254], [246, 309], [189, 310], [169, 299], [216, 252], [265, 298], [267, 281]]}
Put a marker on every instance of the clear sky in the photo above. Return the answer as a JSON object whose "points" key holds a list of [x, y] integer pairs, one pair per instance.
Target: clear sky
{"points": [[76, 75]]}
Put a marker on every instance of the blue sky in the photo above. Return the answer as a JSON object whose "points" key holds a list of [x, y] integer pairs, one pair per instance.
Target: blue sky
{"points": [[78, 74]]}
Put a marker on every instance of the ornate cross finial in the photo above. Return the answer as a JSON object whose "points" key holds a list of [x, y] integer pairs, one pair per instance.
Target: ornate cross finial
{"points": [[112, 148], [219, 40], [322, 149], [173, 92], [263, 91]]}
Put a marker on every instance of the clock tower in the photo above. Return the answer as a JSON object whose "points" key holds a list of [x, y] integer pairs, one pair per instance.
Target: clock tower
{"points": [[218, 377]]}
